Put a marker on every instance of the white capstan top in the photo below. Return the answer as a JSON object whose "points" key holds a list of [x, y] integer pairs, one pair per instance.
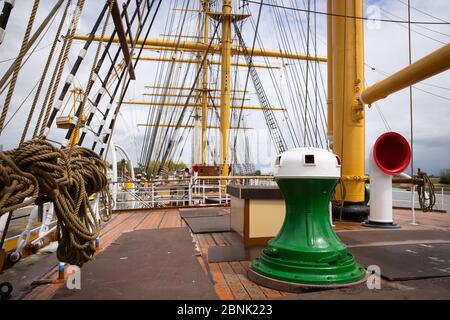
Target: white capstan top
{"points": [[307, 163]]}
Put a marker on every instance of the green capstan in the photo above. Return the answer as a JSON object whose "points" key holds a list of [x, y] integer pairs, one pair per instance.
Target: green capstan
{"points": [[306, 249]]}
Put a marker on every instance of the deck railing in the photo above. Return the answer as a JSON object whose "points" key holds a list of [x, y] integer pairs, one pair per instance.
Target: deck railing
{"points": [[193, 191]]}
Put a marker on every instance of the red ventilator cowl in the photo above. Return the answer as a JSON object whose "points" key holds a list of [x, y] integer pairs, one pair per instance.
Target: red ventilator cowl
{"points": [[392, 153]]}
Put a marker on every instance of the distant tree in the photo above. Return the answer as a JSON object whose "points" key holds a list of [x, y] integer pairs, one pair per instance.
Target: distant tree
{"points": [[444, 176], [257, 172], [171, 166]]}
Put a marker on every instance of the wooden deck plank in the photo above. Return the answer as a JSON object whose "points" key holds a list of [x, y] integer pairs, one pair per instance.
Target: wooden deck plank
{"points": [[152, 221], [202, 243], [209, 239], [115, 221], [230, 278], [172, 220], [221, 286], [233, 281], [219, 239], [163, 222], [269, 293], [253, 290]]}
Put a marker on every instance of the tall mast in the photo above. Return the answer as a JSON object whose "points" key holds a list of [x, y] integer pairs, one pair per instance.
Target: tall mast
{"points": [[205, 82], [225, 84], [348, 114]]}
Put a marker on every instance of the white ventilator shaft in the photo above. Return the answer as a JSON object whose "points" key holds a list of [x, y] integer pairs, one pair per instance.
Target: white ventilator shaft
{"points": [[380, 193]]}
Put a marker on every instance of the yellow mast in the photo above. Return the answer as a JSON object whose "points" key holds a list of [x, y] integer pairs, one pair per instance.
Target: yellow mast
{"points": [[225, 83], [197, 125], [329, 75], [205, 83], [348, 113]]}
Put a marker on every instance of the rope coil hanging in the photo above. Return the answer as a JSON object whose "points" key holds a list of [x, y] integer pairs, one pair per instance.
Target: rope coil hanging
{"points": [[426, 191], [37, 172]]}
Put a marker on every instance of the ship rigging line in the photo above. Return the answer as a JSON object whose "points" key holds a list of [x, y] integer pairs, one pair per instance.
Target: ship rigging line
{"points": [[417, 32], [73, 72], [248, 69], [170, 144], [107, 139], [104, 83], [44, 72], [411, 95], [168, 79], [352, 17], [57, 71], [96, 65], [421, 11], [286, 45], [17, 64], [295, 75], [28, 56], [31, 42], [307, 66], [152, 113]]}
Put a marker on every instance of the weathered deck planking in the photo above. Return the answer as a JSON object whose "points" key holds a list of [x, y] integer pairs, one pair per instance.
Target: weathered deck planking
{"points": [[230, 278]]}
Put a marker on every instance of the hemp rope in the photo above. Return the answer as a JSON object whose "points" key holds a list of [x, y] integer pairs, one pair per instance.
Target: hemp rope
{"points": [[37, 172], [44, 72], [18, 62], [57, 72]]}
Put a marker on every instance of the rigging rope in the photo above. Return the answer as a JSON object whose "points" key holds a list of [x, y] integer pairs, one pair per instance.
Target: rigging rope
{"points": [[94, 70], [57, 72], [18, 62], [44, 73]]}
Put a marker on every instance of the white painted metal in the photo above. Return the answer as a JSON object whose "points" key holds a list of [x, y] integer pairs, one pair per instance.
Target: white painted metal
{"points": [[47, 218], [413, 209], [127, 156], [114, 172], [24, 237], [294, 164], [380, 193]]}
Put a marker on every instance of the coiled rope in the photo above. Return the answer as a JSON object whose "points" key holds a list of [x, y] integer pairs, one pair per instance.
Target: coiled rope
{"points": [[426, 192], [37, 172]]}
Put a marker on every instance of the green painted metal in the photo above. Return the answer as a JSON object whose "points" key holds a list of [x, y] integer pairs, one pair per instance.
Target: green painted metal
{"points": [[307, 250], [366, 193]]}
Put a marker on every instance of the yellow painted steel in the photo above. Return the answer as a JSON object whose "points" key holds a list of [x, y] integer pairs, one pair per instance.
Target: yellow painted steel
{"points": [[225, 85], [186, 95], [129, 184], [180, 36], [156, 44], [205, 84], [234, 64], [191, 104], [197, 112], [430, 65], [329, 76], [187, 88], [64, 122], [165, 125], [348, 80]]}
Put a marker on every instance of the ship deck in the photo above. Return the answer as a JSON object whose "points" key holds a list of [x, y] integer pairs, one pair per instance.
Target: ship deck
{"points": [[230, 280]]}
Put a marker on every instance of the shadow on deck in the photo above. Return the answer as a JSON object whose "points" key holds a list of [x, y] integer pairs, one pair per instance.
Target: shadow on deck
{"points": [[229, 279]]}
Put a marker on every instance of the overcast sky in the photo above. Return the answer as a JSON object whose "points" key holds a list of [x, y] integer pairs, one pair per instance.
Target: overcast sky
{"points": [[386, 50]]}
